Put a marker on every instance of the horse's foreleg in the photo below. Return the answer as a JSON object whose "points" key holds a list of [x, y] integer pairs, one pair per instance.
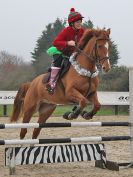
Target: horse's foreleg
{"points": [[75, 96], [96, 107]]}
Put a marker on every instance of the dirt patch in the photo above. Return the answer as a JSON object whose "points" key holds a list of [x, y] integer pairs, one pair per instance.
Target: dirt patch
{"points": [[117, 151]]}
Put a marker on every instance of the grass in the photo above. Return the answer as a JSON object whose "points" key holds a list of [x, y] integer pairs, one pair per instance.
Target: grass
{"points": [[60, 110]]}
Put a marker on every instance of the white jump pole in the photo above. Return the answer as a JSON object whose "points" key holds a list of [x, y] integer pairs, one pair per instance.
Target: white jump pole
{"points": [[131, 109]]}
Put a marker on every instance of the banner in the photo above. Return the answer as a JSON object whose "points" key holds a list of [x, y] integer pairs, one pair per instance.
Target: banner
{"points": [[113, 98], [105, 98], [7, 97]]}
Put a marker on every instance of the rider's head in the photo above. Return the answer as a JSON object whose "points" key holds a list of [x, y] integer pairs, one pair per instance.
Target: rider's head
{"points": [[75, 19]]}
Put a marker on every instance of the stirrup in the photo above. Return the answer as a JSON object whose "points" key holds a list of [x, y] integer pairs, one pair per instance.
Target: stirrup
{"points": [[49, 89]]}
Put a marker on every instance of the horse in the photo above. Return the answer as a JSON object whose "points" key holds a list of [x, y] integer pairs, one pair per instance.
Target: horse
{"points": [[78, 85]]}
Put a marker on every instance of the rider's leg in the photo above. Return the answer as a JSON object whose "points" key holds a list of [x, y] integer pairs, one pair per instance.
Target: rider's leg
{"points": [[53, 75], [55, 68]]}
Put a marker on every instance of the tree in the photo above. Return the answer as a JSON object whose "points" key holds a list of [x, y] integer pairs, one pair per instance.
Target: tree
{"points": [[116, 80], [9, 59], [41, 61], [88, 24], [114, 55], [13, 71]]}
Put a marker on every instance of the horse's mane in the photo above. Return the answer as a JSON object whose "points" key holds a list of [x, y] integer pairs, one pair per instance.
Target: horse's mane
{"points": [[88, 34]]}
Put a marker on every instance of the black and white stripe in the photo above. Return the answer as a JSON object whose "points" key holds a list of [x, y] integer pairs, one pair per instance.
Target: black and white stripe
{"points": [[55, 154], [62, 124]]}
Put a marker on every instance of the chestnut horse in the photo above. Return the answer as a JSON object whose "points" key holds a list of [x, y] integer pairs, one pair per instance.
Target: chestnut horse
{"points": [[78, 85]]}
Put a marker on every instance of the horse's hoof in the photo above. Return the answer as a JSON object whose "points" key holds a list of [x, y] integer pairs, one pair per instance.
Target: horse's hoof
{"points": [[82, 113], [65, 116], [87, 115], [72, 115]]}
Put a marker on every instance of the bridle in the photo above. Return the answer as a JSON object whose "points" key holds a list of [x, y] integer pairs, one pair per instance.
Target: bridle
{"points": [[97, 57], [94, 57]]}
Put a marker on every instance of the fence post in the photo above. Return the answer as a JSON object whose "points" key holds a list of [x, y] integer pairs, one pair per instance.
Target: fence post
{"points": [[131, 109], [11, 160], [116, 110], [5, 110]]}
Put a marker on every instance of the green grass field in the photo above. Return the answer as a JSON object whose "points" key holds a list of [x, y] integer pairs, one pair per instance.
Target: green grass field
{"points": [[60, 110]]}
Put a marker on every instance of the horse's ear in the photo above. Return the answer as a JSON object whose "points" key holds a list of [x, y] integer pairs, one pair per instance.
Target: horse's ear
{"points": [[108, 31]]}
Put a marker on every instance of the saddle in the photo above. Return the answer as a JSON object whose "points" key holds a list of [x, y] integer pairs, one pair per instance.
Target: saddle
{"points": [[64, 68]]}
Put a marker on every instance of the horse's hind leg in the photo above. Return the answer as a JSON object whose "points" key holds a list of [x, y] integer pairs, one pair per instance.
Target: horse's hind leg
{"points": [[26, 119], [45, 112]]}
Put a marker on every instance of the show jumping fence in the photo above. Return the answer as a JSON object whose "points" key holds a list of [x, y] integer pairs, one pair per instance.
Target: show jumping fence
{"points": [[67, 152]]}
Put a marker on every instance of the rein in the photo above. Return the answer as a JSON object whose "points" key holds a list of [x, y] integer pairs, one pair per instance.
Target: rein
{"points": [[82, 52]]}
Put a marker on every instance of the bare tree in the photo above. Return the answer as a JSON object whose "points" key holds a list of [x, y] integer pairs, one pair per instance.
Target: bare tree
{"points": [[5, 57], [13, 71]]}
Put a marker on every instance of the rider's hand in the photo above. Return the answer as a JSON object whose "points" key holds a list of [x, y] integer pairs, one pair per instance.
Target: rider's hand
{"points": [[71, 43]]}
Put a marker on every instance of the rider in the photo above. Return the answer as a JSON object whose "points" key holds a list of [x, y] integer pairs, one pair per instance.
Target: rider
{"points": [[64, 44]]}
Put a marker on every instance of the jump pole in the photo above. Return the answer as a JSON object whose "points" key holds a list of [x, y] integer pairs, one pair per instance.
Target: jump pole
{"points": [[131, 110], [64, 140], [62, 124]]}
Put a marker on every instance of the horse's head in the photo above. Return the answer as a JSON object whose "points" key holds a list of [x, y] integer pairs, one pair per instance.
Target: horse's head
{"points": [[96, 44], [102, 48]]}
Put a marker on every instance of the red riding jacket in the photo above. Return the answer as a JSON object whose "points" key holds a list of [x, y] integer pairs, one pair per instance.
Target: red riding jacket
{"points": [[67, 34]]}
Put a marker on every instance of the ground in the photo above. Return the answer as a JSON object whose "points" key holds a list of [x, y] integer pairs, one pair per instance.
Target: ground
{"points": [[117, 151]]}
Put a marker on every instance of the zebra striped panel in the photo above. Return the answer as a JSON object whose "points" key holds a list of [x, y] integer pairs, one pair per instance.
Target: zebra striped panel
{"points": [[54, 154]]}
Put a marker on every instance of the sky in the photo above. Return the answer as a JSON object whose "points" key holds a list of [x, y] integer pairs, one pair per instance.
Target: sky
{"points": [[22, 22]]}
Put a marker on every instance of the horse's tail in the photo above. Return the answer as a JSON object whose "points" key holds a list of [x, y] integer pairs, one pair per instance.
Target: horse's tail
{"points": [[18, 102]]}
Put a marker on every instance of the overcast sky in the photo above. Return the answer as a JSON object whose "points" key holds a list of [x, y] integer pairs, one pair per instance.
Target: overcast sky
{"points": [[22, 22]]}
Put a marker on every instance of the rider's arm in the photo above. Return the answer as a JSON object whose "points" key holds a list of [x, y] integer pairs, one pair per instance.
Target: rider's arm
{"points": [[64, 39], [60, 41]]}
